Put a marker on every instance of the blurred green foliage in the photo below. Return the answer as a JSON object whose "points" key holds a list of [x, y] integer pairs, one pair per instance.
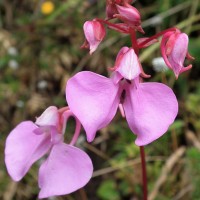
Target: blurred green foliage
{"points": [[108, 191], [193, 163]]}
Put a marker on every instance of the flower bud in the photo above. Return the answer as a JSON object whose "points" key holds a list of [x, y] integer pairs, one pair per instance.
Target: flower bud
{"points": [[174, 49], [111, 10], [94, 33], [129, 15]]}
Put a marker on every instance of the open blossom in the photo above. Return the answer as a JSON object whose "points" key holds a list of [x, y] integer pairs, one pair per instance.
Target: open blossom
{"points": [[174, 49], [94, 33], [66, 169], [150, 108]]}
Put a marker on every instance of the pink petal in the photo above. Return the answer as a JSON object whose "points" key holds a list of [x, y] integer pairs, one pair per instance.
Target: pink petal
{"points": [[120, 55], [99, 30], [49, 117], [55, 136], [94, 33], [90, 37], [150, 109], [163, 49], [66, 170], [129, 66], [178, 53], [23, 148], [116, 77], [128, 14], [110, 10], [93, 99]]}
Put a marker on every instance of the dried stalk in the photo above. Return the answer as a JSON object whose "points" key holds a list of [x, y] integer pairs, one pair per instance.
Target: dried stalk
{"points": [[171, 161]]}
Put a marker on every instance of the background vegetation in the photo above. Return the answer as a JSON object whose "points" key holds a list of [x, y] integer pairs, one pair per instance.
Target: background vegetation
{"points": [[39, 52]]}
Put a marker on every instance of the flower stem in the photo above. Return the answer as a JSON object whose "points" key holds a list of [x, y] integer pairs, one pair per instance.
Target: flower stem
{"points": [[66, 114], [111, 25], [134, 40], [77, 132], [136, 49], [144, 174]]}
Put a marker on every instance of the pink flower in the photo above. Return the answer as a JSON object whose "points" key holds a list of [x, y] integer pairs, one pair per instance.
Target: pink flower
{"points": [[66, 169], [150, 108], [94, 33], [174, 49]]}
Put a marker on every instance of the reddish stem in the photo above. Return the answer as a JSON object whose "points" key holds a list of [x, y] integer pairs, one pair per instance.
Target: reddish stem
{"points": [[136, 49], [134, 40], [144, 175], [111, 24], [76, 133], [157, 35], [66, 113]]}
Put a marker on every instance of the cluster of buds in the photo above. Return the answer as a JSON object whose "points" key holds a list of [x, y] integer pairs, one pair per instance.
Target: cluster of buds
{"points": [[149, 108], [123, 11], [174, 44]]}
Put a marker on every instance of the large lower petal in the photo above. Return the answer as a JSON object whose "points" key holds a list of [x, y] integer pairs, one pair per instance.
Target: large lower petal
{"points": [[23, 148], [93, 99], [66, 170], [150, 109]]}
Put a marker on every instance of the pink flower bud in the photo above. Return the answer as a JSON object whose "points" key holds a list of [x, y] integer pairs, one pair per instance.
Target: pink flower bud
{"points": [[174, 49], [111, 10], [129, 15], [127, 64], [94, 33]]}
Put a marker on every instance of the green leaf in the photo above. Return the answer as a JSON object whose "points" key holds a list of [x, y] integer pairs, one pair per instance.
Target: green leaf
{"points": [[108, 191]]}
